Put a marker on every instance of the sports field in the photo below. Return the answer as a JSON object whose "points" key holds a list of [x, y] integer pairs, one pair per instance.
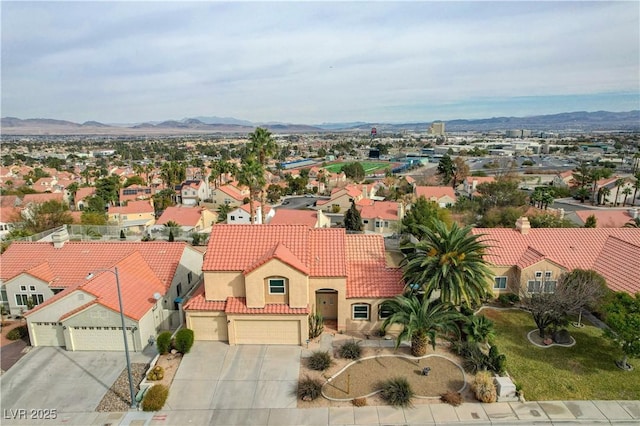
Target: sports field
{"points": [[369, 166]]}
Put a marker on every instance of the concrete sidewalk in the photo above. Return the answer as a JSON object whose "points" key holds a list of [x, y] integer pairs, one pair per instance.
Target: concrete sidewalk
{"points": [[516, 413]]}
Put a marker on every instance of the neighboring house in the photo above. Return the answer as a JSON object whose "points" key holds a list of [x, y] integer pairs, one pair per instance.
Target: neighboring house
{"points": [[190, 219], [192, 192], [29, 200], [341, 199], [442, 195], [563, 179], [136, 216], [242, 215], [382, 217], [533, 259], [9, 213], [471, 183], [310, 218], [82, 194], [78, 313], [229, 194], [262, 282], [134, 193], [604, 218]]}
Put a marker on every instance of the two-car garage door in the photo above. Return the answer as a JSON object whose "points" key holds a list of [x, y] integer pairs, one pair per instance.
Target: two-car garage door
{"points": [[100, 339], [267, 332]]}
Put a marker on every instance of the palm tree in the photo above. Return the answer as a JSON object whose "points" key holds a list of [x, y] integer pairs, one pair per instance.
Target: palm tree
{"points": [[451, 261], [619, 184], [263, 146], [595, 175], [422, 320], [479, 329], [251, 174], [626, 192], [636, 186], [603, 194]]}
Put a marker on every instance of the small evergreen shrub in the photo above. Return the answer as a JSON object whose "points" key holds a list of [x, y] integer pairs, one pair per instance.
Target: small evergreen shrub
{"points": [[484, 388], [508, 299], [359, 402], [350, 350], [18, 333], [319, 361], [397, 392], [184, 340], [452, 398], [497, 361], [156, 373], [309, 389], [155, 398], [164, 342]]}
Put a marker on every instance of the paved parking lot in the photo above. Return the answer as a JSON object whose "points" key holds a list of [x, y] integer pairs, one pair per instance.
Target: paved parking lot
{"points": [[215, 375]]}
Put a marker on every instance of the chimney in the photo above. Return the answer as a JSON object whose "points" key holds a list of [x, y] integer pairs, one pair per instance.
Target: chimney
{"points": [[365, 193], [522, 225], [60, 237]]}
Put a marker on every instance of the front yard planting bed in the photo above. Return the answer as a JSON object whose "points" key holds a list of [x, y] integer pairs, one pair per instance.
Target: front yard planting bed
{"points": [[585, 371]]}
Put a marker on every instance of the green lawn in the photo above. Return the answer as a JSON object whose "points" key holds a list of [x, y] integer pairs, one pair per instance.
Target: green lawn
{"points": [[369, 166], [584, 371]]}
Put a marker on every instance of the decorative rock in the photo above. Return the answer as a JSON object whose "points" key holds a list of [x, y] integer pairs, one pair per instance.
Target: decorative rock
{"points": [[174, 351], [562, 337]]}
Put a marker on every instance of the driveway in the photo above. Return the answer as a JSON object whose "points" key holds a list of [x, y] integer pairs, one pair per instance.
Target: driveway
{"points": [[53, 378], [215, 375]]}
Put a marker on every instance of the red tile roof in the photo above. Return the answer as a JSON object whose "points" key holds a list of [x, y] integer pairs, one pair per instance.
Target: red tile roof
{"points": [[41, 198], [429, 192], [71, 263], [282, 253], [233, 192], [85, 192], [387, 210], [182, 215], [368, 274], [295, 217], [132, 207], [198, 302], [238, 305], [584, 248], [605, 218]]}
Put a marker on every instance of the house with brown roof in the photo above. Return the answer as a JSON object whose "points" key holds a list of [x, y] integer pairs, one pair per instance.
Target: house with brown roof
{"points": [[135, 217], [532, 259], [606, 218], [229, 194], [82, 194], [189, 218], [341, 198], [9, 213], [81, 312], [261, 283], [563, 179], [442, 195], [471, 183]]}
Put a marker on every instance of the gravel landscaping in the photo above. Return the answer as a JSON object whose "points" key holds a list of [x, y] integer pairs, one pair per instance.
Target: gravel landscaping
{"points": [[117, 398]]}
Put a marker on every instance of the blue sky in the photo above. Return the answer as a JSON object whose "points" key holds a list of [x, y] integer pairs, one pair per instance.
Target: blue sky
{"points": [[314, 62]]}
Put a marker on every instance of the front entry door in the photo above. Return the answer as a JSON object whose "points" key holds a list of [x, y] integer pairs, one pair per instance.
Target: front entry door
{"points": [[327, 304]]}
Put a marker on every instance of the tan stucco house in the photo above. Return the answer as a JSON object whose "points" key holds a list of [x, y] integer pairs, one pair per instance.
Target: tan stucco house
{"points": [[261, 283]]}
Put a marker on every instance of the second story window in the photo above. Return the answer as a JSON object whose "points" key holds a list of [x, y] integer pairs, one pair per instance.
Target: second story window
{"points": [[277, 286]]}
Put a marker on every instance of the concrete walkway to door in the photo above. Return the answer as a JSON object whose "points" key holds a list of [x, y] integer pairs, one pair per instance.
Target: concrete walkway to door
{"points": [[215, 375]]}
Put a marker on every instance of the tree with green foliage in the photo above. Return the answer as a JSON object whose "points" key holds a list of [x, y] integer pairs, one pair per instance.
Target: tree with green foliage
{"points": [[449, 260], [108, 188], [582, 177], [353, 171], [622, 315], [352, 219], [500, 217], [263, 146], [445, 169], [163, 199], [503, 192], [460, 171], [223, 210], [549, 220], [251, 174], [424, 213], [40, 217], [133, 180], [423, 321]]}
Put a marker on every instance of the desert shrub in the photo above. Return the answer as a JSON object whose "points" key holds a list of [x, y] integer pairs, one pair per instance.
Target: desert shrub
{"points": [[319, 360], [18, 333], [184, 340], [397, 392], [350, 350], [474, 359], [496, 361], [451, 397], [164, 342], [484, 388], [309, 389], [156, 373], [155, 398], [359, 402]]}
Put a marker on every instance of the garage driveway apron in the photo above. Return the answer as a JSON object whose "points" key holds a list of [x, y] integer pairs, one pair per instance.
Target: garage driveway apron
{"points": [[215, 375]]}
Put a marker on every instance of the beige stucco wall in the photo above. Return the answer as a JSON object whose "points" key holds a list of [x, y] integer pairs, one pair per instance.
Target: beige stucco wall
{"points": [[513, 278], [257, 287], [55, 310], [374, 323], [207, 219], [12, 288], [220, 285], [528, 273], [220, 197]]}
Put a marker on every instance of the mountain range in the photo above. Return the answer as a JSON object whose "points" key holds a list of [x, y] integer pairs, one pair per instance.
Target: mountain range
{"points": [[580, 121]]}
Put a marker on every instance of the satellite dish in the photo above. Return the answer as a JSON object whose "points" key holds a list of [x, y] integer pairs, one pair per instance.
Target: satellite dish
{"points": [[157, 296]]}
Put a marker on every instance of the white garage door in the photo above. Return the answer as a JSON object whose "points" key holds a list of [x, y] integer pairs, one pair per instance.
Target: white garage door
{"points": [[100, 339], [209, 328], [265, 332], [47, 334]]}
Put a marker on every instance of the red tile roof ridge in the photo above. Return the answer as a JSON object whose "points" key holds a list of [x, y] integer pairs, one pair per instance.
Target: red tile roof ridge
{"points": [[238, 305], [78, 310], [281, 252]]}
